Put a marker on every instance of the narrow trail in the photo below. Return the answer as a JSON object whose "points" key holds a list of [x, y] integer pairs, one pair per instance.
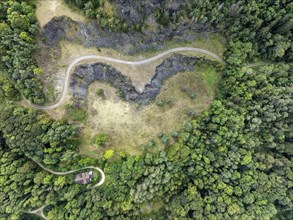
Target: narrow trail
{"points": [[39, 212], [103, 176], [114, 60]]}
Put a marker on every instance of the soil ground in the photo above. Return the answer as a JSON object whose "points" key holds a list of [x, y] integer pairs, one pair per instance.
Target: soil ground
{"points": [[129, 126], [47, 9], [139, 75]]}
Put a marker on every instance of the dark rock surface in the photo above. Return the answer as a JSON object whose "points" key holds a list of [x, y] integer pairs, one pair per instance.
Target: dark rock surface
{"points": [[136, 11], [91, 35], [86, 74]]}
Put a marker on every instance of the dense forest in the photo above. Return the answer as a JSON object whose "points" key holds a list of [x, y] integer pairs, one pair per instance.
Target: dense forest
{"points": [[255, 29], [18, 29], [233, 161]]}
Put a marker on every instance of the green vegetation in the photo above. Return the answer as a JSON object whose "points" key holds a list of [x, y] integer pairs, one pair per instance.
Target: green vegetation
{"points": [[36, 135], [96, 176], [7, 89], [131, 127], [101, 140], [192, 94], [100, 92], [30, 217], [108, 154], [210, 77], [18, 29], [102, 11], [163, 102], [255, 29], [75, 114], [119, 93], [233, 161]]}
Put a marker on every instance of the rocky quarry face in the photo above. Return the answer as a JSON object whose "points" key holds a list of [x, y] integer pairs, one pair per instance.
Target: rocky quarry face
{"points": [[86, 74], [135, 11], [91, 35]]}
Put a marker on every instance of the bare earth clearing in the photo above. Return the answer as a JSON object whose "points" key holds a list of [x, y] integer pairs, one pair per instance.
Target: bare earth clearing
{"points": [[128, 126], [55, 62], [47, 9]]}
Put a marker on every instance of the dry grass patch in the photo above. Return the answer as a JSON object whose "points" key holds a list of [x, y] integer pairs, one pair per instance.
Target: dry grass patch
{"points": [[54, 63], [139, 75], [47, 9], [129, 127]]}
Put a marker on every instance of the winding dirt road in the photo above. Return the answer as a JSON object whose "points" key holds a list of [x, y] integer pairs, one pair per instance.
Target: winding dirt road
{"points": [[103, 176], [114, 60], [39, 212]]}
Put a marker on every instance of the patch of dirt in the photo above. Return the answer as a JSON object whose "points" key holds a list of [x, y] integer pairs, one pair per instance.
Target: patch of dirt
{"points": [[54, 60], [57, 114], [47, 9], [129, 127]]}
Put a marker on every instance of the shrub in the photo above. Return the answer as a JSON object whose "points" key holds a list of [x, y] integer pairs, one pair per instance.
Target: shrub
{"points": [[162, 102], [165, 139], [160, 134], [108, 154], [76, 114], [184, 89], [101, 140], [119, 93], [192, 95], [100, 92], [174, 134], [191, 113], [151, 144]]}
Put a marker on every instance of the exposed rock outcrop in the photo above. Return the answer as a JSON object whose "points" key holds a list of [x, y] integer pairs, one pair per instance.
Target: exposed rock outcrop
{"points": [[86, 74], [91, 35]]}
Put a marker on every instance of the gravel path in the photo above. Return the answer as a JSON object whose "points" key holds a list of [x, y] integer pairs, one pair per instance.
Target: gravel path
{"points": [[65, 90], [103, 176], [39, 212], [114, 60]]}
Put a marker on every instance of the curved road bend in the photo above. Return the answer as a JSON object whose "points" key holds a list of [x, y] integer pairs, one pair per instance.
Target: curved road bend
{"points": [[39, 212], [103, 176], [114, 60], [65, 90]]}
